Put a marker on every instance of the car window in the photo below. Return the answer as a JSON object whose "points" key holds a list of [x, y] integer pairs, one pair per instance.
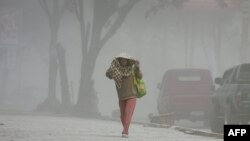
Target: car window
{"points": [[189, 78], [232, 77], [163, 84], [244, 74], [227, 75]]}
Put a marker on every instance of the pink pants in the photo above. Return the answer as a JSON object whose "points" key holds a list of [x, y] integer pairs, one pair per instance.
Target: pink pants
{"points": [[127, 109]]}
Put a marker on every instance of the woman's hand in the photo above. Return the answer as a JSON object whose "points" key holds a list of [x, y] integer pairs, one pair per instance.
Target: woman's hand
{"points": [[137, 63]]}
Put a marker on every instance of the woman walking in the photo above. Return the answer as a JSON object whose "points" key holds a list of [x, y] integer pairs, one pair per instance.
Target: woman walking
{"points": [[120, 71]]}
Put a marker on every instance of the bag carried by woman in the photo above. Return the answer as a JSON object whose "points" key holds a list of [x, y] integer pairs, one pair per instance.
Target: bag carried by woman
{"points": [[140, 86]]}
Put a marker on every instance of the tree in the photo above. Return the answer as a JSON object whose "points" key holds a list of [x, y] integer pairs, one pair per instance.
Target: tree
{"points": [[160, 4], [245, 27], [8, 26], [66, 103], [212, 53], [4, 75], [54, 11], [108, 16]]}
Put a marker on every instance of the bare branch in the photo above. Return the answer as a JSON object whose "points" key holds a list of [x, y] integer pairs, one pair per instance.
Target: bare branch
{"points": [[87, 35], [55, 9], [112, 7], [77, 11], [63, 8], [122, 13], [104, 9], [81, 9], [44, 5], [82, 24]]}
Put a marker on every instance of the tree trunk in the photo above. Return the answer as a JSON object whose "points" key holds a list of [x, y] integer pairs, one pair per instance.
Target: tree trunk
{"points": [[54, 15], [51, 101], [217, 41], [187, 44], [192, 44], [87, 104], [4, 75], [244, 40], [209, 51], [66, 102]]}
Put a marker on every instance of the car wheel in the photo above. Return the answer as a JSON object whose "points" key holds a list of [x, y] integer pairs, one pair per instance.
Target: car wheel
{"points": [[206, 120], [163, 105], [230, 117], [216, 123]]}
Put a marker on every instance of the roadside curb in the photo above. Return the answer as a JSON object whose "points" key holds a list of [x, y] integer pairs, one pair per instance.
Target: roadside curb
{"points": [[185, 130], [198, 132]]}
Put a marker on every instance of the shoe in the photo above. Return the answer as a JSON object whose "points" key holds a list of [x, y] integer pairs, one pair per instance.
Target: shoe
{"points": [[125, 135]]}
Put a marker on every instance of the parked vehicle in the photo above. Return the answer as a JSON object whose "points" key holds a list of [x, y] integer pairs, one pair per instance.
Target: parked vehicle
{"points": [[231, 101], [184, 94]]}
